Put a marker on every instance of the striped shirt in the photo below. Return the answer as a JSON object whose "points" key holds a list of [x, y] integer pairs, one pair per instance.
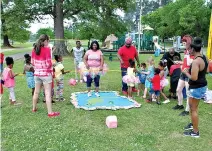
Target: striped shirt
{"points": [[42, 63]]}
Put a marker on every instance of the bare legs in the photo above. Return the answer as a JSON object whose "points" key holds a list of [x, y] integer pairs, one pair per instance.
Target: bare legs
{"points": [[194, 113], [47, 88]]}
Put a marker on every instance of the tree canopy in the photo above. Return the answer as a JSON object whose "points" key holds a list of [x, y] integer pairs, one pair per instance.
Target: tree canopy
{"points": [[180, 18]]}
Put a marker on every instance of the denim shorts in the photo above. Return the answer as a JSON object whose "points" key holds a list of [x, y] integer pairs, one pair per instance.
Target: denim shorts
{"points": [[43, 80], [183, 77], [198, 93], [156, 92]]}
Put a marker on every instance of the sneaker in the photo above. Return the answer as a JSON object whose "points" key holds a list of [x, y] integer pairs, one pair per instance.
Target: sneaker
{"points": [[97, 94], [192, 134], [189, 127], [89, 94], [166, 101], [125, 92], [57, 99], [154, 100], [76, 81], [53, 114], [184, 113], [178, 107], [158, 103], [81, 81]]}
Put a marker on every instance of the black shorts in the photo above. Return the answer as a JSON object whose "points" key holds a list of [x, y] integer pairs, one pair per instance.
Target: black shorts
{"points": [[183, 77]]}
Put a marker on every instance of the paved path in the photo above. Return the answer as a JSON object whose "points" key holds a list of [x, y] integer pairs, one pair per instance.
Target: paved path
{"points": [[17, 56], [12, 49]]}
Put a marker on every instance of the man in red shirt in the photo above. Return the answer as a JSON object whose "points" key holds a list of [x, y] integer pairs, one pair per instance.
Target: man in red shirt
{"points": [[125, 53]]}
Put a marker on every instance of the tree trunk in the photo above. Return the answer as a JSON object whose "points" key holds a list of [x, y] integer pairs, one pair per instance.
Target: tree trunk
{"points": [[6, 42], [61, 48]]}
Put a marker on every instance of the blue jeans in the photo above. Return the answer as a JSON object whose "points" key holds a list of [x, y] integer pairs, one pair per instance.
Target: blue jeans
{"points": [[123, 73], [90, 80]]}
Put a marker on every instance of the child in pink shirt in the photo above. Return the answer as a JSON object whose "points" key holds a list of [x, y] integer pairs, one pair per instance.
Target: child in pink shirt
{"points": [[9, 80]]}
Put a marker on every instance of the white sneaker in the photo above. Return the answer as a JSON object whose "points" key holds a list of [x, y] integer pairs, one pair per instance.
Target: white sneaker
{"points": [[89, 94], [154, 100], [97, 94], [76, 81], [166, 101], [81, 81]]}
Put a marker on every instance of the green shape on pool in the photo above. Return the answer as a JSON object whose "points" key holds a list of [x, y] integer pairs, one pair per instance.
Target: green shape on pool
{"points": [[94, 101]]}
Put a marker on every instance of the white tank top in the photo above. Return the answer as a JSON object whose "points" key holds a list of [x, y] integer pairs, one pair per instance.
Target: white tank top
{"points": [[78, 53]]}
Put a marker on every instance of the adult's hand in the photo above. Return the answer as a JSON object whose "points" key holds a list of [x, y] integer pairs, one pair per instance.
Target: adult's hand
{"points": [[122, 62]]}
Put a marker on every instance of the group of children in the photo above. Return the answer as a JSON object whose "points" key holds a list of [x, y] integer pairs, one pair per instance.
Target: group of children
{"points": [[151, 79], [8, 77]]}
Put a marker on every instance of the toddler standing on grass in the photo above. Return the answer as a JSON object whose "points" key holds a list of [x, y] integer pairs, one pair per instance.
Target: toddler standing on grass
{"points": [[29, 71], [59, 72], [130, 78], [142, 78], [150, 74], [9, 80], [155, 90], [163, 81]]}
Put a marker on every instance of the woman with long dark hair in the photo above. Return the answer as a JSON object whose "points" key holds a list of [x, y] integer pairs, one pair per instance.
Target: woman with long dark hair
{"points": [[41, 60], [197, 85]]}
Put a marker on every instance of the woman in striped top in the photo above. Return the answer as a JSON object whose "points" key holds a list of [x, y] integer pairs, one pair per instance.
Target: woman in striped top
{"points": [[41, 60]]}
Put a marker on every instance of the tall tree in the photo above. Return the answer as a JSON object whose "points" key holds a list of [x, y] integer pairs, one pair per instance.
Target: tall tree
{"points": [[14, 17]]}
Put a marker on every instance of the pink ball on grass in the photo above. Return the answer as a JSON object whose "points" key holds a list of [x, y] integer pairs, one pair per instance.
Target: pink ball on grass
{"points": [[72, 82]]}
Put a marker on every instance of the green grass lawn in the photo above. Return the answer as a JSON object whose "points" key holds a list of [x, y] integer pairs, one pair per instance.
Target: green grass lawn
{"points": [[149, 128]]}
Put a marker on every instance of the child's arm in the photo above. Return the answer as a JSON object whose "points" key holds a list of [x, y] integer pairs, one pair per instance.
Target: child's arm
{"points": [[147, 73], [161, 73], [12, 75], [64, 72], [32, 69]]}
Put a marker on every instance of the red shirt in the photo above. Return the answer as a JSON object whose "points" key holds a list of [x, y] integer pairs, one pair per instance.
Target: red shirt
{"points": [[42, 63], [1, 58], [173, 67], [127, 54], [156, 82], [185, 65]]}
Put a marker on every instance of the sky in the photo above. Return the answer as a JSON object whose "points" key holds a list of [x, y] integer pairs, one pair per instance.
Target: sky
{"points": [[48, 22]]}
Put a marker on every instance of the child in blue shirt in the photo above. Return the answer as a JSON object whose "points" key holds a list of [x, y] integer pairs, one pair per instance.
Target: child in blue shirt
{"points": [[142, 77]]}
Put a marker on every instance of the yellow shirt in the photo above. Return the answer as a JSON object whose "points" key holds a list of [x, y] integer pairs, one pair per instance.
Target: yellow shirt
{"points": [[58, 70]]}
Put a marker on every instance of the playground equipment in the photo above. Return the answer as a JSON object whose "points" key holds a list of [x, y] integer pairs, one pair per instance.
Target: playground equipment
{"points": [[146, 41], [177, 43]]}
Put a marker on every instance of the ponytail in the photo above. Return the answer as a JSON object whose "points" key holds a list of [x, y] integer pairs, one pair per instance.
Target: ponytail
{"points": [[40, 43]]}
